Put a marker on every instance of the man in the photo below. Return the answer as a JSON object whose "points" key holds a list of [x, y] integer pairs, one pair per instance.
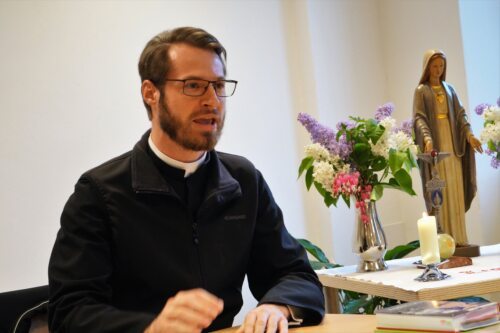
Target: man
{"points": [[160, 239]]}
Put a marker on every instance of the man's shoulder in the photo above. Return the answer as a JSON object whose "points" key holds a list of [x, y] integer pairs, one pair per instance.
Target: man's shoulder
{"points": [[236, 162], [114, 166]]}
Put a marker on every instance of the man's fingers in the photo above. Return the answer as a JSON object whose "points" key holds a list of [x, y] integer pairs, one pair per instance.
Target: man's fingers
{"points": [[283, 326], [200, 301], [266, 318], [188, 311], [189, 316], [261, 322], [272, 323], [249, 323]]}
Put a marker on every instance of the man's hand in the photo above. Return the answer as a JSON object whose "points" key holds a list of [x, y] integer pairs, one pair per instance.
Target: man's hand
{"points": [[475, 144], [266, 318], [187, 312]]}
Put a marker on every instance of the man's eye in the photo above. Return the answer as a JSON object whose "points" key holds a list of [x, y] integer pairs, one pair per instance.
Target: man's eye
{"points": [[220, 85], [193, 85]]}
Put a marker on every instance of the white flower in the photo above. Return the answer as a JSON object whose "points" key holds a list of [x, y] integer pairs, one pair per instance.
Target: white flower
{"points": [[323, 173], [492, 113], [491, 132], [317, 151], [389, 123], [381, 148], [400, 141]]}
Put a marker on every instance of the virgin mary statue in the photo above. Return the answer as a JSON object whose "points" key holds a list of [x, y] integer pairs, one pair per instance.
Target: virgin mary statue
{"points": [[440, 123]]}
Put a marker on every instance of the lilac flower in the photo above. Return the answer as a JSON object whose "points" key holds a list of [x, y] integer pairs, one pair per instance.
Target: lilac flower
{"points": [[406, 127], [348, 124], [481, 107], [343, 148], [384, 111], [495, 162], [325, 136]]}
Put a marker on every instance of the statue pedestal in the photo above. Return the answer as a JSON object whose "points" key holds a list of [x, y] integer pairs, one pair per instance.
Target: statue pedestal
{"points": [[467, 251]]}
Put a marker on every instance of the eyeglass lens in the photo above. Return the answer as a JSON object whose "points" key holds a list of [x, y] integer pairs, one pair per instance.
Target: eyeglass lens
{"points": [[222, 88]]}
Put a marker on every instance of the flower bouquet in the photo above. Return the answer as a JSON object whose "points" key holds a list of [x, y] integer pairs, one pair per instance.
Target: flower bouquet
{"points": [[359, 159], [490, 136]]}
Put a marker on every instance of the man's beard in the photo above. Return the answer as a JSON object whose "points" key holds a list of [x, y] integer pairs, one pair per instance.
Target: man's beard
{"points": [[182, 134]]}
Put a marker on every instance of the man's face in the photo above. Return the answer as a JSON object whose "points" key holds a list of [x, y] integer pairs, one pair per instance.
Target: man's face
{"points": [[194, 123]]}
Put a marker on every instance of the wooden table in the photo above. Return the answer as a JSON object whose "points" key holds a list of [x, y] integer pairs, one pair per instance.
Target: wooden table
{"points": [[398, 281], [333, 323]]}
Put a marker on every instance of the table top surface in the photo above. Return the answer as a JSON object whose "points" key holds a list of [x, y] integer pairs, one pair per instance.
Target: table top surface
{"points": [[333, 323], [398, 281], [349, 323]]}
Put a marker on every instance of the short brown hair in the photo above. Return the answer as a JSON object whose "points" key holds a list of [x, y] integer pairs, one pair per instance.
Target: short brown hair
{"points": [[154, 62]]}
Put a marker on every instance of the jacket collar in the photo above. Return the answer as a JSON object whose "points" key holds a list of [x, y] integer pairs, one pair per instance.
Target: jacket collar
{"points": [[146, 178]]}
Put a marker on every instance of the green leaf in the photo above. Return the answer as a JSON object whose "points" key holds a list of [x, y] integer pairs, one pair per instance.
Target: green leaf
{"points": [[404, 180], [335, 200], [401, 250], [361, 153], [411, 158], [309, 178], [379, 163], [396, 160], [394, 182], [375, 131], [347, 200], [320, 189], [491, 145], [328, 199], [377, 192], [358, 306], [305, 165], [321, 265], [314, 250], [352, 294]]}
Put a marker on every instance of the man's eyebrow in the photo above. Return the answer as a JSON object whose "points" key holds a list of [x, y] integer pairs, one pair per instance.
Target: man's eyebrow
{"points": [[193, 77]]}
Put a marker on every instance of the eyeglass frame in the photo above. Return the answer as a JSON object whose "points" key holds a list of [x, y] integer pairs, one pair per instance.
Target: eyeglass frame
{"points": [[206, 88]]}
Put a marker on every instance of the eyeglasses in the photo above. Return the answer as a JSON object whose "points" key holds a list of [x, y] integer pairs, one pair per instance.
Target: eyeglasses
{"points": [[198, 87]]}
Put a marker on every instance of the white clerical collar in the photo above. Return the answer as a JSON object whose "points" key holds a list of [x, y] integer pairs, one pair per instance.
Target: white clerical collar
{"points": [[189, 168]]}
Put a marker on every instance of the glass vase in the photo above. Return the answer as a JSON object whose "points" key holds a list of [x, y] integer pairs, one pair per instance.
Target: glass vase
{"points": [[369, 240]]}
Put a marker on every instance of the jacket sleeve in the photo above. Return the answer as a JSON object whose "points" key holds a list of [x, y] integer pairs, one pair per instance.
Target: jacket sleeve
{"points": [[81, 267], [279, 270]]}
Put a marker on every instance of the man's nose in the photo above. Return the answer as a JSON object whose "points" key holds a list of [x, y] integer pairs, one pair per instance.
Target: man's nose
{"points": [[210, 96]]}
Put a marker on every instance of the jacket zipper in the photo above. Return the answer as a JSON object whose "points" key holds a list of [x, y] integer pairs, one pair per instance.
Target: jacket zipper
{"points": [[196, 242]]}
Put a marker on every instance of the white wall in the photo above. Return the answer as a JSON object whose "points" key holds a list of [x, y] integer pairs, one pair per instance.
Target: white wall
{"points": [[70, 99], [481, 41]]}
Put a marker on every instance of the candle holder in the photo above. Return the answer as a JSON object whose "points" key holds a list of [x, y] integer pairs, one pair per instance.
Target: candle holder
{"points": [[432, 273], [434, 187]]}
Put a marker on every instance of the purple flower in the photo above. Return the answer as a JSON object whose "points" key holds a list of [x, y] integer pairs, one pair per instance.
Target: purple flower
{"points": [[348, 124], [498, 101], [406, 127], [343, 148], [384, 111], [495, 162], [481, 107], [325, 136]]}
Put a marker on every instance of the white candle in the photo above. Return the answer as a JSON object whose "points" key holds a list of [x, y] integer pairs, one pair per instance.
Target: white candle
{"points": [[429, 246]]}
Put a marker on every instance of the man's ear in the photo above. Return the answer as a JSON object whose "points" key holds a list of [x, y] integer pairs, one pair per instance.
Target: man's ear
{"points": [[150, 94]]}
